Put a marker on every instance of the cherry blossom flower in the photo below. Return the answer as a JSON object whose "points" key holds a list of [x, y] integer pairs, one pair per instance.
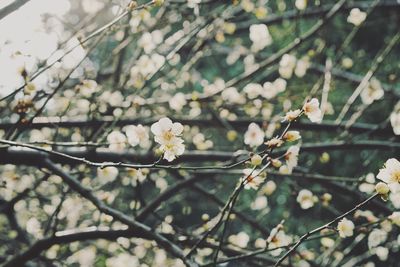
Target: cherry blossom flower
{"points": [[291, 136], [345, 228], [305, 198], [312, 110], [376, 237], [253, 179], [276, 239], [167, 135], [374, 91], [390, 174], [254, 136], [291, 156], [356, 16]]}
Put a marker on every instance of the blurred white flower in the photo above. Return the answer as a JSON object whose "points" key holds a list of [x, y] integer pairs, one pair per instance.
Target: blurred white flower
{"points": [[292, 136], [253, 90], [87, 87], [374, 91], [395, 119], [356, 16], [107, 174], [274, 88], [390, 174], [345, 228], [301, 4], [240, 239], [232, 95], [259, 203], [123, 259], [177, 102], [254, 135], [395, 218], [312, 110], [301, 67], [137, 135], [149, 41], [305, 198], [117, 141], [287, 65], [260, 36], [376, 237]]}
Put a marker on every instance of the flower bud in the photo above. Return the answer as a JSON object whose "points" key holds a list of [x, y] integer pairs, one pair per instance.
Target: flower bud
{"points": [[256, 160], [382, 188]]}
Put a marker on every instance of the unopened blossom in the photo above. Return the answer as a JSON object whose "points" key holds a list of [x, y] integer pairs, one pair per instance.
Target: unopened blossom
{"points": [[382, 188], [253, 179], [260, 36], [292, 115], [312, 110], [177, 102], [167, 134], [390, 174], [395, 218], [291, 156], [372, 92], [29, 88], [291, 136], [356, 16], [301, 4], [253, 90], [345, 228], [305, 198], [137, 135], [107, 174], [117, 141], [254, 135], [256, 160], [395, 119], [287, 65]]}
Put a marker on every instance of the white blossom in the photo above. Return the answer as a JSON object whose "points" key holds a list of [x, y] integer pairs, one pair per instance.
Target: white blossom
{"points": [[260, 36], [137, 135], [345, 228], [253, 179], [254, 135], [287, 65], [390, 174], [356, 16], [305, 198], [177, 102], [167, 134], [117, 141], [312, 110]]}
